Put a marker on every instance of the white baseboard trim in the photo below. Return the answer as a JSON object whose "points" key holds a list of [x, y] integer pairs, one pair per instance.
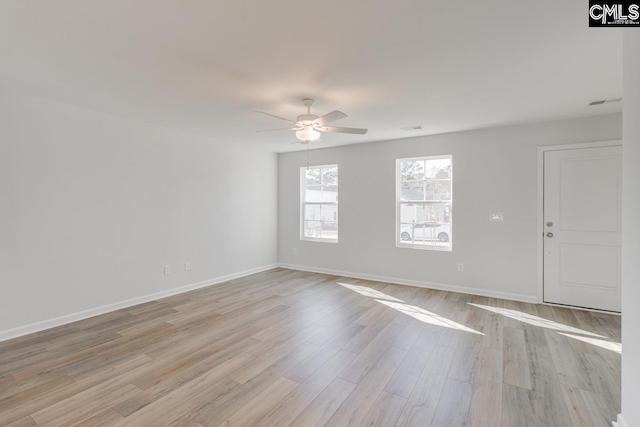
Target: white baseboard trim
{"points": [[417, 283], [621, 422], [85, 314]]}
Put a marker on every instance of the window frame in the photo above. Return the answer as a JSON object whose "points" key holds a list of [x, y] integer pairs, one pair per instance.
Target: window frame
{"points": [[303, 203], [399, 202]]}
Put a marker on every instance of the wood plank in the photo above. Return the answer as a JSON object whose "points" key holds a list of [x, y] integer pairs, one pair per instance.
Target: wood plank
{"points": [[485, 409], [453, 406], [23, 422], [215, 372], [325, 405], [518, 408], [385, 411], [259, 406], [408, 373], [293, 404], [421, 406], [368, 357], [584, 408], [515, 364], [361, 400], [466, 357]]}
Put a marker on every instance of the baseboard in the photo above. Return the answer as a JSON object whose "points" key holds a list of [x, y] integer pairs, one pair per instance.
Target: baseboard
{"points": [[417, 283], [85, 314], [621, 422]]}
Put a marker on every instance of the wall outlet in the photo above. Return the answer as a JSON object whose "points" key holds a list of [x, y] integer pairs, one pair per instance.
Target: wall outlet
{"points": [[187, 266], [295, 251], [460, 267], [167, 270]]}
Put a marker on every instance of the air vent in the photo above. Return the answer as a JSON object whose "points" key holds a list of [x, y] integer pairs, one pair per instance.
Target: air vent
{"points": [[605, 101], [411, 128]]}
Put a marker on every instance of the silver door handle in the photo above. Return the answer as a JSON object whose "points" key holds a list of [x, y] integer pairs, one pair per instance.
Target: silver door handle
{"points": [[549, 234]]}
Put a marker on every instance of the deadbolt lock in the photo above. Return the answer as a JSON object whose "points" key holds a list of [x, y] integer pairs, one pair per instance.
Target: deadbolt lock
{"points": [[549, 224]]}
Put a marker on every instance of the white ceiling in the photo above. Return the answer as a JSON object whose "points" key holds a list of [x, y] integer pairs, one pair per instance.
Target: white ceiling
{"points": [[205, 66]]}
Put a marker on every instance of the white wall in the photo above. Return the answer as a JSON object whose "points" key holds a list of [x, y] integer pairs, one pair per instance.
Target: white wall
{"points": [[495, 170], [92, 206], [631, 228]]}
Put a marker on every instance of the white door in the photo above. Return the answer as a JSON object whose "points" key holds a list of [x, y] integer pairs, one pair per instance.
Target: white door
{"points": [[582, 222]]}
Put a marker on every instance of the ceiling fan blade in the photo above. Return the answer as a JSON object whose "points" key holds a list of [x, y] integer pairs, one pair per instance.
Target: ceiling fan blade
{"points": [[343, 130], [330, 117], [272, 130], [277, 117]]}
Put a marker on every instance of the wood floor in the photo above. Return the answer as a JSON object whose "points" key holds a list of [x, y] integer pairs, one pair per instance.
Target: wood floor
{"points": [[287, 348]]}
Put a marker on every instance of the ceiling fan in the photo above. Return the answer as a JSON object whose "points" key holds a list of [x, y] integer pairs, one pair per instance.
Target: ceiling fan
{"points": [[309, 127]]}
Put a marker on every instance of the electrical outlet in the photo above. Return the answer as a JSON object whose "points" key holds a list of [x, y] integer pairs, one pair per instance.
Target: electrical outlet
{"points": [[460, 267], [295, 251], [167, 270], [187, 266]]}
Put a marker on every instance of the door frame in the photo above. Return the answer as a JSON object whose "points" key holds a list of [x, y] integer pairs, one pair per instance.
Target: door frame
{"points": [[540, 217]]}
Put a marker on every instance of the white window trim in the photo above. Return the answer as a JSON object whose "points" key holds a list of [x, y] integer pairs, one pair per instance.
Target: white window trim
{"points": [[399, 243], [303, 203]]}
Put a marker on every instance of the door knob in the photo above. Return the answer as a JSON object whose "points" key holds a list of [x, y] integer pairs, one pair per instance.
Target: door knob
{"points": [[549, 234]]}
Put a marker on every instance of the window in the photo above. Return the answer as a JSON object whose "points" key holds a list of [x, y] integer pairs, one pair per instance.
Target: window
{"points": [[424, 203], [319, 203]]}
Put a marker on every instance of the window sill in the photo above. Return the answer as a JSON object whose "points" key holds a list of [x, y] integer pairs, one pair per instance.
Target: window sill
{"points": [[425, 247], [318, 239]]}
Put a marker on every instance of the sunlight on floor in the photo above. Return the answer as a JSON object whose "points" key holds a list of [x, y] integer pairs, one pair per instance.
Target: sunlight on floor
{"points": [[607, 345], [368, 292], [410, 310], [562, 329], [535, 320], [426, 316]]}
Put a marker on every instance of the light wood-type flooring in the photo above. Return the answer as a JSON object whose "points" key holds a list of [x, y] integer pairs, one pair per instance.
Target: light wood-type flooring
{"points": [[289, 348]]}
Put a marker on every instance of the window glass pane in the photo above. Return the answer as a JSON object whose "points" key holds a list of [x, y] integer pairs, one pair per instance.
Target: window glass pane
{"points": [[329, 229], [438, 190], [438, 168], [329, 213], [313, 212], [321, 185], [412, 170], [313, 193], [313, 176], [330, 176], [329, 193], [425, 224], [312, 228], [412, 190]]}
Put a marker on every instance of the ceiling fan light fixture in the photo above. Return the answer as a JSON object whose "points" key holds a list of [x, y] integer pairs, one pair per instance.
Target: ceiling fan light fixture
{"points": [[309, 127], [308, 134]]}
